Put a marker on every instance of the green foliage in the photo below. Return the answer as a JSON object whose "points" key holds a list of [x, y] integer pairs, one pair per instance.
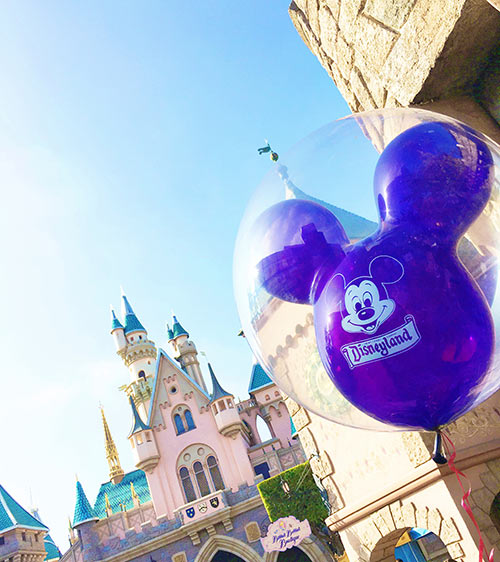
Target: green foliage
{"points": [[304, 500]]}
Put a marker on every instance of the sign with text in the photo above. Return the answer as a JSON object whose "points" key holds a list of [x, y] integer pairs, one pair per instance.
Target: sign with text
{"points": [[285, 533]]}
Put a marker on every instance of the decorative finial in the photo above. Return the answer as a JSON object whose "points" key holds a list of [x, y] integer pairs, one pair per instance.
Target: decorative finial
{"points": [[267, 149], [115, 470]]}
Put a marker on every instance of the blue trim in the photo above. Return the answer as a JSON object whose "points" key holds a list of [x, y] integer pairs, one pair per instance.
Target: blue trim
{"points": [[139, 425]]}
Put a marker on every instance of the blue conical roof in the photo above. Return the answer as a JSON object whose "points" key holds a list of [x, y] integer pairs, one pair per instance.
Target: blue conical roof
{"points": [[293, 429], [12, 515], [258, 379], [138, 424], [132, 323], [83, 510], [115, 323], [177, 329], [218, 391], [170, 333]]}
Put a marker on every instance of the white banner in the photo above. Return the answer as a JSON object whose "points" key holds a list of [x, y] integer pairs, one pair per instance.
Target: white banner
{"points": [[387, 345]]}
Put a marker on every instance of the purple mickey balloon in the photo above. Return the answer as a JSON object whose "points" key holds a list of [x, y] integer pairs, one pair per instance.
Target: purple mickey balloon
{"points": [[402, 329]]}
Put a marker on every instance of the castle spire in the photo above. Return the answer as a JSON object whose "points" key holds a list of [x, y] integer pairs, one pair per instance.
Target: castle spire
{"points": [[218, 391], [115, 470], [177, 329], [115, 323], [132, 323], [170, 333], [83, 509]]}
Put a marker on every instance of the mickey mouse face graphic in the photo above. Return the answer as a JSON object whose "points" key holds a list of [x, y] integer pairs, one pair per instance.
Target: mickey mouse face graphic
{"points": [[367, 304], [366, 310]]}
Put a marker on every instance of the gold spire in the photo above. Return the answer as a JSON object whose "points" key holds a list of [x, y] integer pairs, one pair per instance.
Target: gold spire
{"points": [[115, 470], [107, 505], [135, 497], [72, 538]]}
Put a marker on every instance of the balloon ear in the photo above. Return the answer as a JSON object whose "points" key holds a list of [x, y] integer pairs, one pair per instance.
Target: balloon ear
{"points": [[301, 244], [386, 269], [324, 276]]}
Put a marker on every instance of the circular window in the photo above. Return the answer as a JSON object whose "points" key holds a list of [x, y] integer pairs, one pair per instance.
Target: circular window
{"points": [[200, 451], [173, 389], [187, 457]]}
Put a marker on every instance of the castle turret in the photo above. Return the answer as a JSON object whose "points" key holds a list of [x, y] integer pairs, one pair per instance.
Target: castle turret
{"points": [[83, 510], [142, 440], [115, 470], [84, 522], [118, 332], [22, 535], [138, 354], [224, 410], [185, 352]]}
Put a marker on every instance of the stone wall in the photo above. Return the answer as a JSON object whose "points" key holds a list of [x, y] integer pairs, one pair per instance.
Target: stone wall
{"points": [[399, 52]]}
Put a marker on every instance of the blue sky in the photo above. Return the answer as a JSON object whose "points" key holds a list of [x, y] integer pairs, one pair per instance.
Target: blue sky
{"points": [[128, 145]]}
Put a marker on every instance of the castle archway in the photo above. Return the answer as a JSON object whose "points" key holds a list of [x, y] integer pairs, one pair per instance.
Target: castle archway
{"points": [[225, 556], [219, 545], [410, 545]]}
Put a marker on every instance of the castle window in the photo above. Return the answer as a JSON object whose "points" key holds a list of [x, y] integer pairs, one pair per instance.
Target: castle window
{"points": [[189, 420], [142, 375], [23, 536], [229, 403], [268, 397], [201, 478], [179, 426], [140, 337], [213, 467], [222, 406], [2, 540], [214, 407], [187, 485], [148, 436]]}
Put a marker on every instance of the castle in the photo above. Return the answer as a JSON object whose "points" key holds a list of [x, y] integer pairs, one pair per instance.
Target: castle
{"points": [[198, 457]]}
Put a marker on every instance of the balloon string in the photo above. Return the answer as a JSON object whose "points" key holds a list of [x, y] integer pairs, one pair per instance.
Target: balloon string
{"points": [[452, 454]]}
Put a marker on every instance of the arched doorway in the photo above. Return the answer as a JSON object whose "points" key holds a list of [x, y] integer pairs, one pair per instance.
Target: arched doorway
{"points": [[224, 556], [293, 555]]}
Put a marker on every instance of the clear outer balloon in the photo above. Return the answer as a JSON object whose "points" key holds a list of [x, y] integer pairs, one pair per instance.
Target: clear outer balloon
{"points": [[377, 269]]}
